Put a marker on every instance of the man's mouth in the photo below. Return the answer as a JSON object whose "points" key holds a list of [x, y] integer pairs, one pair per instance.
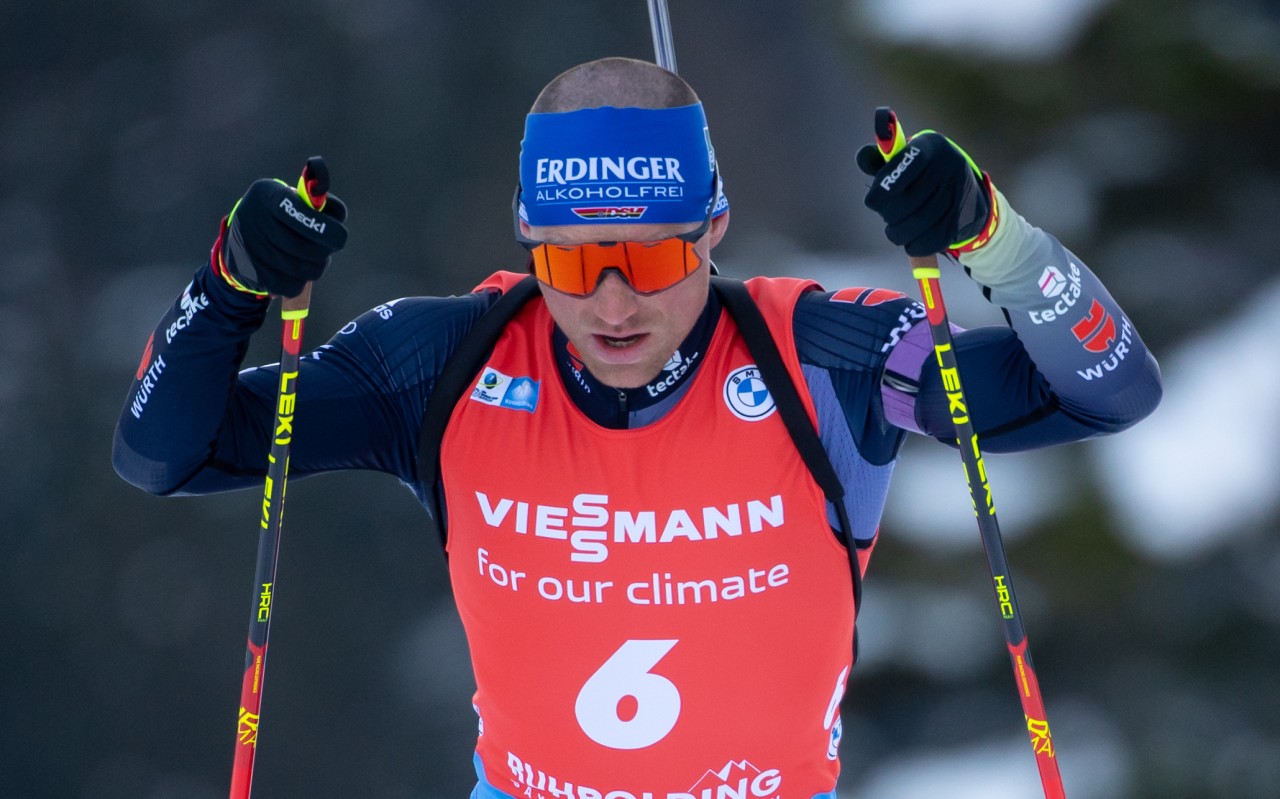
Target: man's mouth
{"points": [[621, 342]]}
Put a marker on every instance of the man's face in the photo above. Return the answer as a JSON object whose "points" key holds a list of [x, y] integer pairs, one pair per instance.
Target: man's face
{"points": [[625, 338]]}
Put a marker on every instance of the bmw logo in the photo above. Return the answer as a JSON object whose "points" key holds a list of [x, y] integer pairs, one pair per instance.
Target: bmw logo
{"points": [[746, 395]]}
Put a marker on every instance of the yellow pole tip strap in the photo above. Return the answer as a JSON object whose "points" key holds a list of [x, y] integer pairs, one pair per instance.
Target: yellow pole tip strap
{"points": [[926, 273], [305, 194], [300, 313], [302, 190], [895, 145]]}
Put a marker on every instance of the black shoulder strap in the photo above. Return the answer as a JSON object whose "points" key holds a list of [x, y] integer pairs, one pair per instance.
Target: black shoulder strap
{"points": [[461, 367], [734, 295], [755, 331]]}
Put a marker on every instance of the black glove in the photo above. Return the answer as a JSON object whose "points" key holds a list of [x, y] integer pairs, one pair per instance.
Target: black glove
{"points": [[274, 243], [931, 195]]}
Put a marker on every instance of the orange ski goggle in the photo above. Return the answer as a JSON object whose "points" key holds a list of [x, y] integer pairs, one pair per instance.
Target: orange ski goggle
{"points": [[648, 266]]}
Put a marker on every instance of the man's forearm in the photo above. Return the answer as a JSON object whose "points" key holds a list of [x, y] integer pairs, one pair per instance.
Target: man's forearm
{"points": [[184, 382], [1078, 335]]}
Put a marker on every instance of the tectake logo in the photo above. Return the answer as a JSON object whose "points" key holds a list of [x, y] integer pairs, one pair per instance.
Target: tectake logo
{"points": [[1052, 282], [1063, 289], [676, 367], [189, 305], [747, 396]]}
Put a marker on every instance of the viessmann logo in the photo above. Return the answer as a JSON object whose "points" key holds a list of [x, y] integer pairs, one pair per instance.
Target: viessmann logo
{"points": [[590, 523]]}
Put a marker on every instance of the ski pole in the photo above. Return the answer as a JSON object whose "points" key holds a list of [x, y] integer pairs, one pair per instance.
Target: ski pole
{"points": [[313, 188], [890, 139], [664, 49]]}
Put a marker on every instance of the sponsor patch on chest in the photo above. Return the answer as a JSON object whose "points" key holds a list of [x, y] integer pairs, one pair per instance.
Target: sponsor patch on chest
{"points": [[495, 388], [746, 395]]}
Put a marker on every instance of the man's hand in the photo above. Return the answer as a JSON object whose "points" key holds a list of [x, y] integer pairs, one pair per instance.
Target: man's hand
{"points": [[274, 243], [931, 195]]}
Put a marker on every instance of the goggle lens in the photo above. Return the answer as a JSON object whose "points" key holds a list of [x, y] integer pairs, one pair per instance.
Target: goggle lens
{"points": [[648, 266]]}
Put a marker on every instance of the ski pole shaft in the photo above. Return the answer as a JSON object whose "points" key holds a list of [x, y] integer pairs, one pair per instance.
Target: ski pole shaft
{"points": [[312, 188], [925, 271], [664, 49], [890, 139]]}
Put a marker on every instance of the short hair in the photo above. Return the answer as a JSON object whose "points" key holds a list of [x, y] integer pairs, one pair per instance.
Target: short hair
{"points": [[618, 82]]}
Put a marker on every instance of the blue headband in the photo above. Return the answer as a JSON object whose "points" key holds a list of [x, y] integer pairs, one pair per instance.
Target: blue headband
{"points": [[618, 165]]}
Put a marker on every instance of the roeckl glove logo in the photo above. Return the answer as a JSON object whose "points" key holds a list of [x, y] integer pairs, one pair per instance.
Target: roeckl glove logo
{"points": [[893, 176], [302, 218]]}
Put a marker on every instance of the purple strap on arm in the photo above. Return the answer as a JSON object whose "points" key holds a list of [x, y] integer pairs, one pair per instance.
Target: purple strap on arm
{"points": [[907, 360]]}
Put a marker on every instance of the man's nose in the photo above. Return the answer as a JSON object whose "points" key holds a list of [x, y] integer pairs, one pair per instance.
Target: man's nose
{"points": [[614, 299]]}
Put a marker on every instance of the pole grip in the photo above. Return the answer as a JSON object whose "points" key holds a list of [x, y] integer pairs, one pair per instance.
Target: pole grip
{"points": [[313, 189], [290, 307]]}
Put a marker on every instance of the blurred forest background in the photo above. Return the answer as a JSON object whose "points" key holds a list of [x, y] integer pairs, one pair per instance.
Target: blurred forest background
{"points": [[1142, 132]]}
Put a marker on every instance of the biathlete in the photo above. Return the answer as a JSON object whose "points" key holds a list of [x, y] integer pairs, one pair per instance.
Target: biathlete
{"points": [[658, 596]]}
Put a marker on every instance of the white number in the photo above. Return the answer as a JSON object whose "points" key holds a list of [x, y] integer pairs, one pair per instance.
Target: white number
{"points": [[627, 674]]}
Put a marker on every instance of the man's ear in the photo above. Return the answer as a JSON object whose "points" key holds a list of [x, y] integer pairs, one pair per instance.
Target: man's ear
{"points": [[525, 230], [719, 226]]}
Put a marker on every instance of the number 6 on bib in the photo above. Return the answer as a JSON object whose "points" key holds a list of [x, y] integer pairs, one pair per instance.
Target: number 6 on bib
{"points": [[627, 674]]}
